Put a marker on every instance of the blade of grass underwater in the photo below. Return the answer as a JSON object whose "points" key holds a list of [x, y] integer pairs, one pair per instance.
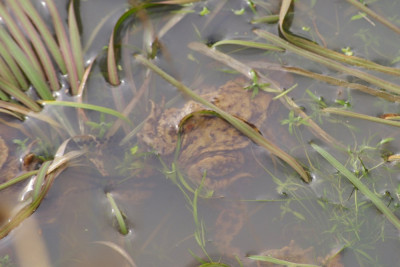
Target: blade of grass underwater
{"points": [[310, 46], [64, 46], [238, 124], [47, 36], [37, 43], [348, 113], [359, 185], [249, 44], [374, 15], [265, 19], [75, 40], [19, 37], [119, 250], [280, 262], [86, 106], [329, 63], [19, 95], [33, 75], [16, 71]]}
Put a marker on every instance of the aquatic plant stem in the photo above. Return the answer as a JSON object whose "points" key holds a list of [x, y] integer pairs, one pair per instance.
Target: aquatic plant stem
{"points": [[235, 122], [328, 62], [87, 106], [348, 113]]}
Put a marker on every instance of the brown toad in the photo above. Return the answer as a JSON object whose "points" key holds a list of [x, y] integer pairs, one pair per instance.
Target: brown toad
{"points": [[208, 143]]}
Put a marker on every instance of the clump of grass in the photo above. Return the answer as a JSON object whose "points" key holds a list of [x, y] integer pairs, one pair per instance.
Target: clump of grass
{"points": [[42, 182], [37, 55]]}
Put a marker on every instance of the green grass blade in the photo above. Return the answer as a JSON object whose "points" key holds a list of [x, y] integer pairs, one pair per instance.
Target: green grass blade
{"points": [[20, 39], [112, 68], [30, 71], [359, 185], [348, 113], [329, 63], [64, 46], [249, 44], [237, 123], [16, 71], [17, 179], [45, 33], [75, 40], [6, 73], [280, 262], [265, 19], [37, 43], [87, 106], [40, 179], [111, 59], [19, 95], [118, 215]]}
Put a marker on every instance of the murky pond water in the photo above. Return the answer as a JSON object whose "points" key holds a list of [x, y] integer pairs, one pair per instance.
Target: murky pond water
{"points": [[219, 197]]}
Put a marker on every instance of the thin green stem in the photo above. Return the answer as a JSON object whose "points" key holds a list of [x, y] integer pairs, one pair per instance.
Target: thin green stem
{"points": [[348, 113]]}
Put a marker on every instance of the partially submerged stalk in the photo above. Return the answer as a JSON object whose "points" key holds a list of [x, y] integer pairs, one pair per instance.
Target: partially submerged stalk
{"points": [[238, 124]]}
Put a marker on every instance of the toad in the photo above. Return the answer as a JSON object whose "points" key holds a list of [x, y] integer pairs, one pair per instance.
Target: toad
{"points": [[209, 145], [298, 256], [211, 151], [8, 165]]}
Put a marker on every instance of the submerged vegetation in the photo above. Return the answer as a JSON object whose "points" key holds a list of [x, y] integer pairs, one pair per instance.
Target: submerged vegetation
{"points": [[67, 101]]}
